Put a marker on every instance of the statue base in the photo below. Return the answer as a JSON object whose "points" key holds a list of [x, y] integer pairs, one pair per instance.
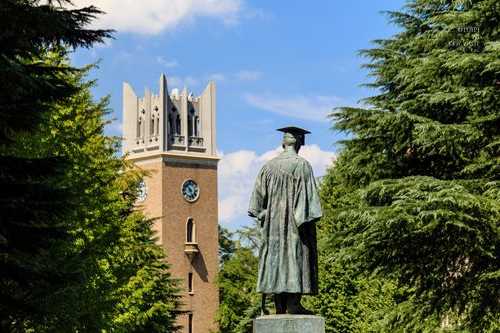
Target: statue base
{"points": [[287, 323]]}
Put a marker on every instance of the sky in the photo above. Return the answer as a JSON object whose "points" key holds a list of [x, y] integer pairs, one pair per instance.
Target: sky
{"points": [[275, 63]]}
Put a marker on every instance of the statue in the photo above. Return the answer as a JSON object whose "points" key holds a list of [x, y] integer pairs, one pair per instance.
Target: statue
{"points": [[286, 205]]}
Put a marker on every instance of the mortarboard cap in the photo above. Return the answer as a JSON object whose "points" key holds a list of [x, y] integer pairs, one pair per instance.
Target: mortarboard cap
{"points": [[295, 131]]}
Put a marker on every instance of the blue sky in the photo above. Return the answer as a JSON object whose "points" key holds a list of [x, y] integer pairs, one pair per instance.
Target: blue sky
{"points": [[275, 63]]}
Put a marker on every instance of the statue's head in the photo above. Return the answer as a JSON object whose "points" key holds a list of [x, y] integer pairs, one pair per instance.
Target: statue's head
{"points": [[293, 137], [290, 140]]}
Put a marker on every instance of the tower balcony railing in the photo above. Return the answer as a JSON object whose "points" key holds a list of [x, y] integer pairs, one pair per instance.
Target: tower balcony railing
{"points": [[195, 141], [177, 139]]}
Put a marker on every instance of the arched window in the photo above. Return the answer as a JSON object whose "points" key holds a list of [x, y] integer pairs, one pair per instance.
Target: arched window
{"points": [[143, 128], [171, 124], [139, 128], [157, 125], [190, 123], [197, 126], [178, 125], [190, 231], [155, 122]]}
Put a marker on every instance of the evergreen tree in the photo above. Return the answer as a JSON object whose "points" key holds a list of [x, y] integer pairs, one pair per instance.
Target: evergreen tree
{"points": [[76, 253], [239, 301], [226, 244], [124, 284], [415, 196], [33, 200]]}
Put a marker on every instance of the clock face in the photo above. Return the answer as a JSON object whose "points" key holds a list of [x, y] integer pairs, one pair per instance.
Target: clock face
{"points": [[142, 191], [190, 190]]}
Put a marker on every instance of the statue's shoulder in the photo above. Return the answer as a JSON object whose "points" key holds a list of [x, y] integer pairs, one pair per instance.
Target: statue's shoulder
{"points": [[304, 164], [269, 165], [290, 161], [300, 160]]}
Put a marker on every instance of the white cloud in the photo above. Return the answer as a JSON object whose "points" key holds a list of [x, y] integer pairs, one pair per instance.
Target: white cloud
{"points": [[166, 63], [191, 82], [197, 81], [301, 106], [237, 172], [181, 82], [246, 75], [155, 16], [217, 77]]}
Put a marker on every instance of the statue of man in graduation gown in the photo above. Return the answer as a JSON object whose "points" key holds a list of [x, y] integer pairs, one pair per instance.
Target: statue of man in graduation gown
{"points": [[286, 205]]}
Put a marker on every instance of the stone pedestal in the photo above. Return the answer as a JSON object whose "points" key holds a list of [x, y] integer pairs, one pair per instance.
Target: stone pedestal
{"points": [[289, 324]]}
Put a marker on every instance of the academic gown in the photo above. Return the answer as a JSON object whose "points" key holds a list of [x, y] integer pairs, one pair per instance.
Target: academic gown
{"points": [[286, 203]]}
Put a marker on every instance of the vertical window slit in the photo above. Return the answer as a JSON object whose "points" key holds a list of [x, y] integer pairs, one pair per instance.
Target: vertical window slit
{"points": [[190, 237], [190, 282]]}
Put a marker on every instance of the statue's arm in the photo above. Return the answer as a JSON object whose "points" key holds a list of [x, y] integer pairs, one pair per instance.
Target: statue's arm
{"points": [[307, 204], [262, 215], [258, 201]]}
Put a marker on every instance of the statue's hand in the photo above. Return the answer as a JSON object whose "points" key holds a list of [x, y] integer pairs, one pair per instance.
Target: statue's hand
{"points": [[262, 215]]}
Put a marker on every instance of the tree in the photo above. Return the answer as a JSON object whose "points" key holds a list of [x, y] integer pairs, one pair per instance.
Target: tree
{"points": [[349, 300], [88, 254], [32, 200], [239, 302], [414, 196], [226, 244], [124, 284]]}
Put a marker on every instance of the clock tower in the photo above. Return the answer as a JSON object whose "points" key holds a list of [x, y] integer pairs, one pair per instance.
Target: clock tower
{"points": [[172, 137]]}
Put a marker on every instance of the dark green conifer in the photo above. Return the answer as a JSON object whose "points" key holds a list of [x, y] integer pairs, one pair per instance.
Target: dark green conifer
{"points": [[33, 200], [415, 193]]}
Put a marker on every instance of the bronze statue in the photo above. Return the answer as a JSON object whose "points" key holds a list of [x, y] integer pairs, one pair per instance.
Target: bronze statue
{"points": [[285, 203]]}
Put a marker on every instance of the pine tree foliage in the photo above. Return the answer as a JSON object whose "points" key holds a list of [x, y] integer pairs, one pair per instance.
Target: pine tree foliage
{"points": [[123, 280], [33, 200], [76, 253], [27, 29], [350, 299], [414, 196]]}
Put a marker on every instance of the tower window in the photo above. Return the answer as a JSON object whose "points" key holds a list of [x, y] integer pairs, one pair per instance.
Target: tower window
{"points": [[155, 122], [139, 128], [190, 323], [190, 231], [190, 124], [157, 125], [190, 282], [178, 125], [170, 124], [197, 126]]}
